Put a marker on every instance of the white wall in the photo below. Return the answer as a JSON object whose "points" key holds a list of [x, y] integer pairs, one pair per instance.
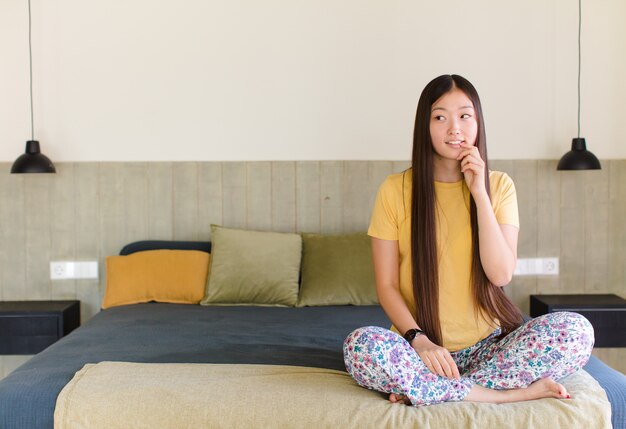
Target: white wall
{"points": [[303, 80]]}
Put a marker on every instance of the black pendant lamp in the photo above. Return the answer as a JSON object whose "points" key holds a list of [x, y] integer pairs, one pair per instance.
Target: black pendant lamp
{"points": [[32, 161], [579, 158]]}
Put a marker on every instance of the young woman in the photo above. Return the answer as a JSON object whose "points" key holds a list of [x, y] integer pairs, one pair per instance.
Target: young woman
{"points": [[444, 240]]}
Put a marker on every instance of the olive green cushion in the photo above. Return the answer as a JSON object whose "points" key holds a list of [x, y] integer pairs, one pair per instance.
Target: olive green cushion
{"points": [[337, 270], [253, 267]]}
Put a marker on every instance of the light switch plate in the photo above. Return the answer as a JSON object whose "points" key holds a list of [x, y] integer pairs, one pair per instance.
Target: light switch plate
{"points": [[60, 270], [537, 267]]}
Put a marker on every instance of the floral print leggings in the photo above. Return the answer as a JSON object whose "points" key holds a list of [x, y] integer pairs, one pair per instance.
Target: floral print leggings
{"points": [[553, 345]]}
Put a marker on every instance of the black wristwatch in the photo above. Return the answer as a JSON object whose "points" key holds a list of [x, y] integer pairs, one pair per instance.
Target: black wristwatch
{"points": [[412, 333]]}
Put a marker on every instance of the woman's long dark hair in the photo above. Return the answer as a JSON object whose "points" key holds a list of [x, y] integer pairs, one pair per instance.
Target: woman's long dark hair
{"points": [[490, 300]]}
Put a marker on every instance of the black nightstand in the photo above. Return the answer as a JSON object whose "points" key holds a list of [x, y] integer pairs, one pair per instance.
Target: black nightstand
{"points": [[607, 314], [28, 327]]}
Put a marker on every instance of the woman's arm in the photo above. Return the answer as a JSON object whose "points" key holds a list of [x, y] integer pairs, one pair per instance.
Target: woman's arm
{"points": [[498, 244], [387, 272]]}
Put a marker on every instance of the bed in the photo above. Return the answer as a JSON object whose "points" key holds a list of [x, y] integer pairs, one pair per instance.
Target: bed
{"points": [[286, 356]]}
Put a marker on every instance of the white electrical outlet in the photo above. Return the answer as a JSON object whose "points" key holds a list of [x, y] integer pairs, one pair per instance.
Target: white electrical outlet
{"points": [[537, 267], [60, 270], [57, 270], [550, 266]]}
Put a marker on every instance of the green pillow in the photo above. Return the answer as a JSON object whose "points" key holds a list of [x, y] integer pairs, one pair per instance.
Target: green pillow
{"points": [[253, 267], [337, 270]]}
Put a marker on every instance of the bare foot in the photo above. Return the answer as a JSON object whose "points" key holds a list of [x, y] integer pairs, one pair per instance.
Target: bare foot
{"points": [[543, 388], [547, 388], [397, 398]]}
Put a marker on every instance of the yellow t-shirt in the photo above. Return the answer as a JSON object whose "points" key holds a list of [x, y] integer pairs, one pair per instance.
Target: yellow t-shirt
{"points": [[391, 220]]}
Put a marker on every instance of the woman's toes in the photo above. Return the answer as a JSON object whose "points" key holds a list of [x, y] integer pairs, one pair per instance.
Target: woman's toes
{"points": [[546, 387], [394, 398], [563, 392], [557, 389]]}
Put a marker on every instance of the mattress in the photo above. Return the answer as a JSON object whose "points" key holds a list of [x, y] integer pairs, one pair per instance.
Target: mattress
{"points": [[175, 333]]}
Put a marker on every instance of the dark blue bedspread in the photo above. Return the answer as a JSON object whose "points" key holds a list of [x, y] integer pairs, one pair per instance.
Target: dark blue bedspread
{"points": [[173, 333], [614, 383], [310, 336]]}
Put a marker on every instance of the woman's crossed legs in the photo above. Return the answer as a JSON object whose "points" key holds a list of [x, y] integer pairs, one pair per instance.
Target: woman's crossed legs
{"points": [[522, 366]]}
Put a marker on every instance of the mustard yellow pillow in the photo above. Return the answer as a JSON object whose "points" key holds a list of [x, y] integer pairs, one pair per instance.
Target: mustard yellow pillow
{"points": [[176, 276]]}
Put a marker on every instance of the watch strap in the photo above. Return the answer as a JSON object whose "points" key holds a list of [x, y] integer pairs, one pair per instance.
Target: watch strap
{"points": [[412, 333]]}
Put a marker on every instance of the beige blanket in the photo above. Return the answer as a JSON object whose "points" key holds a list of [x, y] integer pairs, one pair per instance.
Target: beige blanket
{"points": [[134, 395]]}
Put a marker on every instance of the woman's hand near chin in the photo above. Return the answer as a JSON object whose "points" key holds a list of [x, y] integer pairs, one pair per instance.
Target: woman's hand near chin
{"points": [[473, 169]]}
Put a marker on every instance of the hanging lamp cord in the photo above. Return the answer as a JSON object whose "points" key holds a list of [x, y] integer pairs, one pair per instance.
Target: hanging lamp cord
{"points": [[30, 53], [579, 48]]}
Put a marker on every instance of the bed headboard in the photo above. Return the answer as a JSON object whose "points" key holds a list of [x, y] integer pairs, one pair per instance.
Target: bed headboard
{"points": [[138, 246]]}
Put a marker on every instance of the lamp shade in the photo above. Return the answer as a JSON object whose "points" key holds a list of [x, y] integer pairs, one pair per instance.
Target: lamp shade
{"points": [[33, 161], [579, 158]]}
